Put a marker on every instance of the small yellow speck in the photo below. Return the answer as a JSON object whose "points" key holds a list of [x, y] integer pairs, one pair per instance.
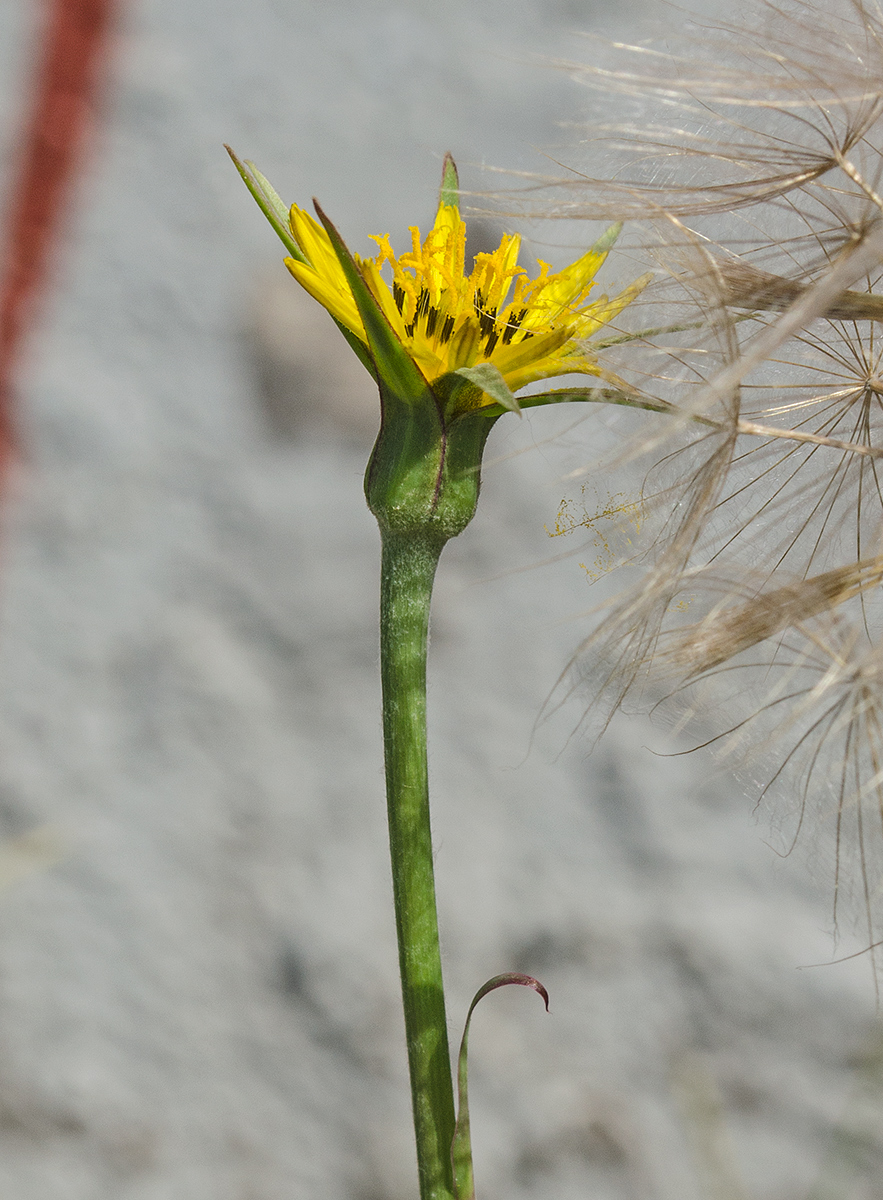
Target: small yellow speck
{"points": [[607, 523]]}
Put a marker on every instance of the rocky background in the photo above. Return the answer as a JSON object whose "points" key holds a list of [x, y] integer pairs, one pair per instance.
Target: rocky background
{"points": [[198, 990]]}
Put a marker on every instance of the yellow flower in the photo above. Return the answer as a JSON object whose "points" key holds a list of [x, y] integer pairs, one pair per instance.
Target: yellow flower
{"points": [[448, 349], [528, 329]]}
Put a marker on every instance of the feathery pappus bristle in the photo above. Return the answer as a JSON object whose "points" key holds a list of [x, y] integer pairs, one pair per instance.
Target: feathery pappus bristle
{"points": [[758, 351]]}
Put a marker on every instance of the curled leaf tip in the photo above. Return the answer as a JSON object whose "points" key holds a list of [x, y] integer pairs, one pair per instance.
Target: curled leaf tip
{"points": [[461, 1147], [516, 977]]}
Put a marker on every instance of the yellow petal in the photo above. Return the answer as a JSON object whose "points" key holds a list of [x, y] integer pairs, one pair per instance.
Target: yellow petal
{"points": [[512, 358], [463, 346], [551, 367], [382, 295], [431, 295], [340, 304], [316, 245], [591, 319]]}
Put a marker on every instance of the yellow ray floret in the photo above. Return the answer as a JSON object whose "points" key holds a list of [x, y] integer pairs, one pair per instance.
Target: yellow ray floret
{"points": [[529, 329]]}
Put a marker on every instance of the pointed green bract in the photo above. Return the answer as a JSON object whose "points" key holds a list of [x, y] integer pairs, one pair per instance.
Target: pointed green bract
{"points": [[449, 192], [269, 202], [273, 207], [490, 379], [461, 1147], [395, 367], [410, 484], [280, 208]]}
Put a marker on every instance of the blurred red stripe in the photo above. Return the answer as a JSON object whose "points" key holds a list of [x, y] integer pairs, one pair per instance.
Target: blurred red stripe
{"points": [[75, 39]]}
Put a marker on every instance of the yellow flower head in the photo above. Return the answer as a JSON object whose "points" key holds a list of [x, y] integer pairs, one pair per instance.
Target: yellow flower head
{"points": [[448, 350], [528, 329]]}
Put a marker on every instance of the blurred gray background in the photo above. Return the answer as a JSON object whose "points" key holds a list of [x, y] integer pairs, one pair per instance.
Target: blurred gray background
{"points": [[199, 998]]}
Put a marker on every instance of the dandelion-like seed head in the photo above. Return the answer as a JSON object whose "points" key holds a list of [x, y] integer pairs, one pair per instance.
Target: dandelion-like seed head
{"points": [[760, 185]]}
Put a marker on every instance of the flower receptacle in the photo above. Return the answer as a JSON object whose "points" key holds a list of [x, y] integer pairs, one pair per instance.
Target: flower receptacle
{"points": [[424, 474]]}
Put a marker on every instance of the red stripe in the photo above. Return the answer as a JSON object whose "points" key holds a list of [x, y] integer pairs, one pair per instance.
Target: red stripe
{"points": [[75, 40]]}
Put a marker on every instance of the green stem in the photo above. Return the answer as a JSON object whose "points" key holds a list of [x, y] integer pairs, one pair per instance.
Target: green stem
{"points": [[409, 563]]}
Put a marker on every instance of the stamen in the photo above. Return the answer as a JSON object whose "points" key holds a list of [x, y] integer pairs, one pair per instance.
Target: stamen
{"points": [[491, 342], [398, 294], [447, 330], [486, 321], [431, 320], [422, 303], [512, 326]]}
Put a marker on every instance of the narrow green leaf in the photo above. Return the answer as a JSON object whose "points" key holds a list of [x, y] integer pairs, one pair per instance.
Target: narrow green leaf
{"points": [[449, 192], [490, 380], [599, 395], [461, 1147], [392, 361], [269, 203]]}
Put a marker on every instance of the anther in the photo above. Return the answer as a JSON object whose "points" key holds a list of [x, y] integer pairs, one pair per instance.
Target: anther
{"points": [[512, 326], [486, 321]]}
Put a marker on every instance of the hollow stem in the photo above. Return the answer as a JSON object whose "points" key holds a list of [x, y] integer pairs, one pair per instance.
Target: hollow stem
{"points": [[408, 570]]}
